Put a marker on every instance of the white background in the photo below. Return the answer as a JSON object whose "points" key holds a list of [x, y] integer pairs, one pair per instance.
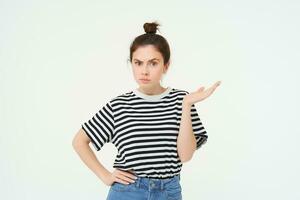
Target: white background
{"points": [[60, 61]]}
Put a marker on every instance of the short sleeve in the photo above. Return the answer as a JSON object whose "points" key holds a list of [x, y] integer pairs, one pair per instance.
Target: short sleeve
{"points": [[198, 128], [100, 127]]}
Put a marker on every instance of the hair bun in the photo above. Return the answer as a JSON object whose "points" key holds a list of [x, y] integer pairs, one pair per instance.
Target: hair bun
{"points": [[151, 27]]}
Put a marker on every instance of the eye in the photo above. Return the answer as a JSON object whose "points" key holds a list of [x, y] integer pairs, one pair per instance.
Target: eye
{"points": [[154, 63], [137, 63]]}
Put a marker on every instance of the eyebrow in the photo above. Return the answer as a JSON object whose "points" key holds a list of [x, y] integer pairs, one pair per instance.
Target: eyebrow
{"points": [[149, 60]]}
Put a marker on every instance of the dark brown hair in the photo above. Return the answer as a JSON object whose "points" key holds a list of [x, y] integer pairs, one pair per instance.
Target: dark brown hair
{"points": [[151, 38]]}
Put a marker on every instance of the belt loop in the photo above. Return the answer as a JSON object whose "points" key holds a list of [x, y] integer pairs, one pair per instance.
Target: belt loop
{"points": [[137, 181], [162, 184]]}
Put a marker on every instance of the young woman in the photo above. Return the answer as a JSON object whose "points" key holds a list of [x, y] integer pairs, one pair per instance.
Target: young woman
{"points": [[154, 128]]}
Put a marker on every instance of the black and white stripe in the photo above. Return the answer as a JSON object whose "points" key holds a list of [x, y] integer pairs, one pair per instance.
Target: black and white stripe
{"points": [[144, 131]]}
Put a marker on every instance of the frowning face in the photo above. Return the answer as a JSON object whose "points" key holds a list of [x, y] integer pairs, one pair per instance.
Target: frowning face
{"points": [[148, 66]]}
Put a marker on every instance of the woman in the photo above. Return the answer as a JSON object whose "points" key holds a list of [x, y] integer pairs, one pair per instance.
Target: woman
{"points": [[154, 128]]}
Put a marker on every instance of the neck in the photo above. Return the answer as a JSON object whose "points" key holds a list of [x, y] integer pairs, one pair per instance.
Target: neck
{"points": [[154, 90]]}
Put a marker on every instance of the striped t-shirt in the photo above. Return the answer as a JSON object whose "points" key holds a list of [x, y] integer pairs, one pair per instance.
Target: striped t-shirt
{"points": [[144, 129]]}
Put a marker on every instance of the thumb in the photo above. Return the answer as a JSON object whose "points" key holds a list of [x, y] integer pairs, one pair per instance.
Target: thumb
{"points": [[200, 89]]}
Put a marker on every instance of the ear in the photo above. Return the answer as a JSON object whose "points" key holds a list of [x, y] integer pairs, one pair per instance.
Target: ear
{"points": [[166, 67]]}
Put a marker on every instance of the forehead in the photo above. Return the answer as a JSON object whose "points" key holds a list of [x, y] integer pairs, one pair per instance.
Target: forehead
{"points": [[147, 52]]}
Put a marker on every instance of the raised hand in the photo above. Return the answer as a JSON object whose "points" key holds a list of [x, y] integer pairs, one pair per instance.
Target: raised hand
{"points": [[200, 94]]}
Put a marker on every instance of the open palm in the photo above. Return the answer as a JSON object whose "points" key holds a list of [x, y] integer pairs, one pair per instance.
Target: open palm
{"points": [[200, 94]]}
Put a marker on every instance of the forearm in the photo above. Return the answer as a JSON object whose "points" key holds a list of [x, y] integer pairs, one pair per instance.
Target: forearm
{"points": [[186, 141], [89, 158]]}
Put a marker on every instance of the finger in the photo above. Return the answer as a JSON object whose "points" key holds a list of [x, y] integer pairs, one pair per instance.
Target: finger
{"points": [[132, 176], [211, 90], [218, 83], [201, 89], [215, 85], [119, 180], [127, 174], [129, 180], [122, 178]]}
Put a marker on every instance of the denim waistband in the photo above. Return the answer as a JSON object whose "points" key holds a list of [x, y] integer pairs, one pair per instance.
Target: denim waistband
{"points": [[158, 183]]}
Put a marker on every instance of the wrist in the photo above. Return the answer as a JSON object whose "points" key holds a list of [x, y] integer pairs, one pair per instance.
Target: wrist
{"points": [[103, 174], [186, 103]]}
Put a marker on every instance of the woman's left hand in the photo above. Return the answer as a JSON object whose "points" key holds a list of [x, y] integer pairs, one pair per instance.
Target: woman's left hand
{"points": [[200, 94]]}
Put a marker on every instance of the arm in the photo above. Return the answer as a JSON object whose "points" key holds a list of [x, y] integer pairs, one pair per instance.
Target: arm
{"points": [[186, 141], [80, 144]]}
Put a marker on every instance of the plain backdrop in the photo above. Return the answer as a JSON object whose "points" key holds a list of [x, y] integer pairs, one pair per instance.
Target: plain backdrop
{"points": [[60, 61]]}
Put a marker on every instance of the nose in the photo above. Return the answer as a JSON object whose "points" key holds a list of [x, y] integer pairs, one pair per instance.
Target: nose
{"points": [[145, 69]]}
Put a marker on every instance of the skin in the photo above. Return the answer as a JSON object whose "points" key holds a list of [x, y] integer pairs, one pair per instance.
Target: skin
{"points": [[201, 94], [147, 63], [186, 141]]}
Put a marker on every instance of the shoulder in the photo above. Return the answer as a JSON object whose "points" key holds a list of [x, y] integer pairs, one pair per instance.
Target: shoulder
{"points": [[180, 92], [123, 97]]}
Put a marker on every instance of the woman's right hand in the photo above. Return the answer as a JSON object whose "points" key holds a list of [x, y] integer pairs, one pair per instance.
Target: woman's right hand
{"points": [[119, 176]]}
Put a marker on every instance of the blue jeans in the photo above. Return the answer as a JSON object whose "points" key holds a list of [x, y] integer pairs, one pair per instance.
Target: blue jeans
{"points": [[147, 189]]}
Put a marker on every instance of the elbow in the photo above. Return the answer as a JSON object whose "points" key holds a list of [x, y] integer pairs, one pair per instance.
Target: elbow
{"points": [[80, 139], [77, 143], [186, 156], [185, 159]]}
